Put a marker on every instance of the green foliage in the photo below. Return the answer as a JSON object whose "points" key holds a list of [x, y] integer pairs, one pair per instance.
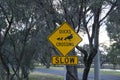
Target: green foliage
{"points": [[113, 24], [113, 28], [114, 55]]}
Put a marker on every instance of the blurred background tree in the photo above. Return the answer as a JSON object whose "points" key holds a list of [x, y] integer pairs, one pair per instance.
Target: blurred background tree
{"points": [[113, 28]]}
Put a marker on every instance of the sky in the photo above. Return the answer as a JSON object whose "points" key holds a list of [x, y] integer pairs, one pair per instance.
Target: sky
{"points": [[103, 37]]}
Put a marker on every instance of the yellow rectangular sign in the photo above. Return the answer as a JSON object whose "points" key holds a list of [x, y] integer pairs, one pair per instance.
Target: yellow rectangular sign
{"points": [[65, 60]]}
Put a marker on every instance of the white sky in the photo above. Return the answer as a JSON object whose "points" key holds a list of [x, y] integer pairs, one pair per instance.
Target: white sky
{"points": [[103, 37]]}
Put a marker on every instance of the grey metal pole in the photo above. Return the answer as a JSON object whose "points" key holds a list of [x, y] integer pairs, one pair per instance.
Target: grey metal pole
{"points": [[97, 66], [65, 72]]}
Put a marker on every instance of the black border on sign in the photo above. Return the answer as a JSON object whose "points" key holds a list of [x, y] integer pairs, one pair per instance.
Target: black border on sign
{"points": [[56, 30], [65, 64]]}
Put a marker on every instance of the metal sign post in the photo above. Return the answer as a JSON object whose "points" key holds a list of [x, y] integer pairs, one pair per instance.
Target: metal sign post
{"points": [[97, 66], [65, 72]]}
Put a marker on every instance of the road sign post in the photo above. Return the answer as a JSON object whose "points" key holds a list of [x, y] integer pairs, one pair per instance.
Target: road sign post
{"points": [[97, 66], [65, 39], [65, 72]]}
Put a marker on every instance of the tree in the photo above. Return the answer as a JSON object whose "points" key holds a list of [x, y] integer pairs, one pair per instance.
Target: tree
{"points": [[113, 28], [113, 55], [95, 9], [4, 25], [17, 38], [104, 54], [23, 41]]}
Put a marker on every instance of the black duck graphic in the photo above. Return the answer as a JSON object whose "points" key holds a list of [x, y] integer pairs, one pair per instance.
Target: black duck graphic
{"points": [[60, 38], [69, 37]]}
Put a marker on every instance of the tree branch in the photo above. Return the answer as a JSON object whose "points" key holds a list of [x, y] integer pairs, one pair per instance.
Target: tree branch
{"points": [[89, 19], [4, 12], [80, 16], [84, 52], [7, 30], [86, 29], [112, 7]]}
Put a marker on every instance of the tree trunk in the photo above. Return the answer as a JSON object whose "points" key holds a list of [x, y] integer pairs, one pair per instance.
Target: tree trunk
{"points": [[114, 66], [86, 70], [85, 74], [71, 73]]}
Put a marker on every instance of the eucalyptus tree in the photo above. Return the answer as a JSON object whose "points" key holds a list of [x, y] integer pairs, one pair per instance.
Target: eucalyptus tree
{"points": [[17, 37], [23, 39], [113, 55], [113, 28], [55, 14], [92, 18], [6, 21]]}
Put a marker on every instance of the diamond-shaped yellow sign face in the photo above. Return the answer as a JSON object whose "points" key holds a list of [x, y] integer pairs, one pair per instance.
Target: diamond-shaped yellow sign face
{"points": [[64, 38]]}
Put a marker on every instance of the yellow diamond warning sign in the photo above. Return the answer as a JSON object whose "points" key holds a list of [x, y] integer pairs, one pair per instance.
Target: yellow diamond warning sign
{"points": [[64, 38], [65, 60]]}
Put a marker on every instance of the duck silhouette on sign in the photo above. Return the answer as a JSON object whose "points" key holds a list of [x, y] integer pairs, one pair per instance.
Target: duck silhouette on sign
{"points": [[69, 37], [60, 38]]}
